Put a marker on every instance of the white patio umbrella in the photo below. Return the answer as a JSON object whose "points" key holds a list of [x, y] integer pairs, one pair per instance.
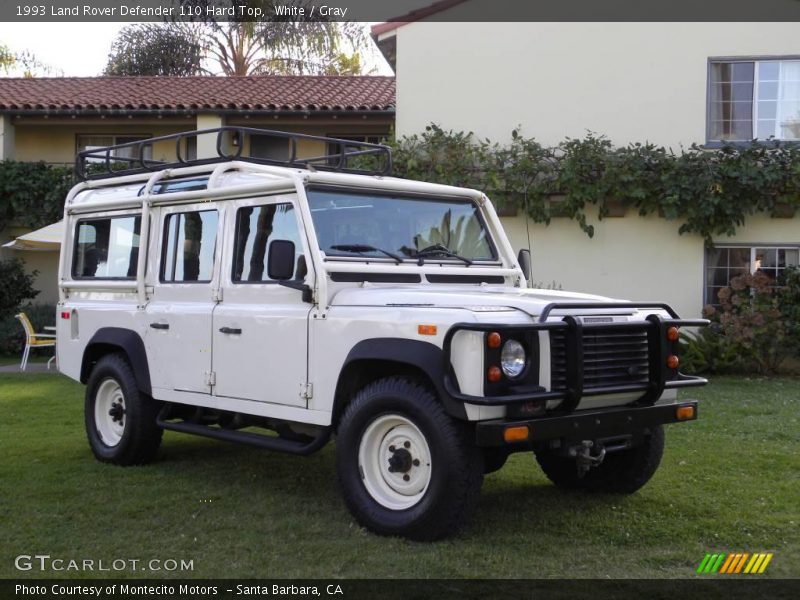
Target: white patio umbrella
{"points": [[44, 239]]}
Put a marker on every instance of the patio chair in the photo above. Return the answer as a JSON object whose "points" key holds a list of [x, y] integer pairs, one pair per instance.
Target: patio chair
{"points": [[34, 340]]}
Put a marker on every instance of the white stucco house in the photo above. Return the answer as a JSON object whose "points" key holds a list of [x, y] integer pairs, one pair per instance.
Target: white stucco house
{"points": [[671, 84]]}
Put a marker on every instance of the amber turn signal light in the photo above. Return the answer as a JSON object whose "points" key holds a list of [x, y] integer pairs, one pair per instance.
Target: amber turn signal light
{"points": [[685, 413], [672, 334], [672, 361], [426, 329], [516, 434], [493, 340], [495, 374]]}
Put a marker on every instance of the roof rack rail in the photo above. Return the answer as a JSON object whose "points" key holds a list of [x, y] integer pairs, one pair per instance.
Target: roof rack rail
{"points": [[136, 157]]}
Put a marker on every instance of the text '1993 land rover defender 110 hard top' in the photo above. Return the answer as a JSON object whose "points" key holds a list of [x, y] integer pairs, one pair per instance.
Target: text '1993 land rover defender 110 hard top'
{"points": [[317, 297]]}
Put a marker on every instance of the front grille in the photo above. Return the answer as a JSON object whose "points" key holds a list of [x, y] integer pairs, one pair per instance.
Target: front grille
{"points": [[611, 357]]}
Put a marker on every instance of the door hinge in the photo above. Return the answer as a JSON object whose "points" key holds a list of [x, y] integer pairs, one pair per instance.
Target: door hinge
{"points": [[307, 390], [216, 295], [211, 378]]}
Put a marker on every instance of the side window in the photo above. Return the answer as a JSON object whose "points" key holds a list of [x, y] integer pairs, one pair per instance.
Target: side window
{"points": [[256, 228], [190, 239], [106, 248]]}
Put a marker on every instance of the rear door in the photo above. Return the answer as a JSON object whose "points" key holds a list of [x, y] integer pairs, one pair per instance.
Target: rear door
{"points": [[260, 328], [178, 335]]}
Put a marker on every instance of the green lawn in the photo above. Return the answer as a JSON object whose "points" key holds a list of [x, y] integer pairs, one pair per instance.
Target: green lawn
{"points": [[728, 482]]}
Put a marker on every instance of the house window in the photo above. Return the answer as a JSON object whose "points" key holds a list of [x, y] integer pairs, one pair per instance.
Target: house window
{"points": [[725, 263], [754, 99], [334, 149], [269, 147], [95, 142]]}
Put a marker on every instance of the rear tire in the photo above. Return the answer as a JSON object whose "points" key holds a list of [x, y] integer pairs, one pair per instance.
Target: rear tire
{"points": [[120, 420], [621, 472], [405, 467]]}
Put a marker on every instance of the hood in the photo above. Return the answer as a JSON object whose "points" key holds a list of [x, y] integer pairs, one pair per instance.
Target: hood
{"points": [[477, 299]]}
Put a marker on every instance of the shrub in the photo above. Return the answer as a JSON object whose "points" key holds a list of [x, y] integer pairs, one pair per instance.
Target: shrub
{"points": [[17, 286], [789, 305]]}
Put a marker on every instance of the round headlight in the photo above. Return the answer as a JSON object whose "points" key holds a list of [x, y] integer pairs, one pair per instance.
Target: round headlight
{"points": [[512, 359]]}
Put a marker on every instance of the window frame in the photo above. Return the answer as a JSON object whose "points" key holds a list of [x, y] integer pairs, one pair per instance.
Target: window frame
{"points": [[76, 239], [235, 237], [165, 245], [114, 136], [712, 60], [751, 247], [424, 196]]}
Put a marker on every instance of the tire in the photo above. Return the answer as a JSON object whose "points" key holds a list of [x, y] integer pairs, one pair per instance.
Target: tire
{"points": [[431, 485], [622, 472], [131, 436]]}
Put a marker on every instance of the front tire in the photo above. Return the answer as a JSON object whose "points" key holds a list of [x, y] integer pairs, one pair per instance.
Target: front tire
{"points": [[622, 472], [405, 467], [120, 420]]}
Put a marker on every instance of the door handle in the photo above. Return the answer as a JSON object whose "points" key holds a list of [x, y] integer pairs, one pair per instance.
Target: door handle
{"points": [[230, 330], [159, 325]]}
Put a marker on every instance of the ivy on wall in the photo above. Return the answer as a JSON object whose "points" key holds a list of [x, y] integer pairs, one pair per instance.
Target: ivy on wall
{"points": [[708, 192], [32, 193]]}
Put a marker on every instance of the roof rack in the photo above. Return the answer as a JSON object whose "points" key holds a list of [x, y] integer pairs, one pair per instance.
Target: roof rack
{"points": [[132, 157]]}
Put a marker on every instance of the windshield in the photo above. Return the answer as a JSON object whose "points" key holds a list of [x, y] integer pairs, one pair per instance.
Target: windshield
{"points": [[351, 224]]}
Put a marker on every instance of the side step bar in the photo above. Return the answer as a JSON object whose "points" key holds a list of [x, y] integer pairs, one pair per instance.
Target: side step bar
{"points": [[252, 439]]}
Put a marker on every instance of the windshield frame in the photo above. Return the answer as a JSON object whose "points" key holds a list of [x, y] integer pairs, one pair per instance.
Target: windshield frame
{"points": [[368, 192]]}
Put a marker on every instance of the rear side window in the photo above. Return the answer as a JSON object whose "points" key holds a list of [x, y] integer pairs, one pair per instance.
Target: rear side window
{"points": [[106, 248], [190, 239], [256, 228]]}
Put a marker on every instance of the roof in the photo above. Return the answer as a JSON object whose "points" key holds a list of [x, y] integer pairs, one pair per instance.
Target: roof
{"points": [[414, 15], [215, 94]]}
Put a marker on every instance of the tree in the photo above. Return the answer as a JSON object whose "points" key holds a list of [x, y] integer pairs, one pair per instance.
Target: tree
{"points": [[156, 49], [24, 63], [237, 48], [7, 58], [286, 47]]}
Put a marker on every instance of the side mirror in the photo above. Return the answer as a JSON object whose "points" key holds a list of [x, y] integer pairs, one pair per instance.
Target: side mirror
{"points": [[280, 262], [524, 260]]}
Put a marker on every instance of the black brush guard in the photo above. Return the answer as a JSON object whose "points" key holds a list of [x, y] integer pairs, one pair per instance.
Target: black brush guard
{"points": [[660, 377]]}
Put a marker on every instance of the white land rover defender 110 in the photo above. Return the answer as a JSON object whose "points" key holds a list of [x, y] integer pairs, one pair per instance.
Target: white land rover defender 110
{"points": [[318, 297]]}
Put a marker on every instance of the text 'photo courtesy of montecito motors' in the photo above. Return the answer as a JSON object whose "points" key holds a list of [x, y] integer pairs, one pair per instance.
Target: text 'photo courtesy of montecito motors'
{"points": [[282, 303]]}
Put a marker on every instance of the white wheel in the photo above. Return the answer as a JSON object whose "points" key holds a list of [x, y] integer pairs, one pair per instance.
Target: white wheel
{"points": [[395, 462], [109, 412]]}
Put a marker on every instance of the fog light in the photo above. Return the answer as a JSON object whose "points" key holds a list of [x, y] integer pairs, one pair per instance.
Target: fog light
{"points": [[493, 340], [672, 334], [516, 434], [673, 362], [494, 375], [685, 413]]}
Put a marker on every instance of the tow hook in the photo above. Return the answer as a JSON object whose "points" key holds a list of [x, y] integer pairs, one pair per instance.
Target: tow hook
{"points": [[587, 456]]}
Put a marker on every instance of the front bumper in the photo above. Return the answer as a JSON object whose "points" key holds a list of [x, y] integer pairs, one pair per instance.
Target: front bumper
{"points": [[584, 425]]}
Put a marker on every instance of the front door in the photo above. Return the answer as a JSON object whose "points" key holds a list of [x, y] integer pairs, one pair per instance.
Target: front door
{"points": [[260, 328], [178, 335]]}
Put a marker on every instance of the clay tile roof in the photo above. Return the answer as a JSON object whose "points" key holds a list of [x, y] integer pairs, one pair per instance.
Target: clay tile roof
{"points": [[283, 93]]}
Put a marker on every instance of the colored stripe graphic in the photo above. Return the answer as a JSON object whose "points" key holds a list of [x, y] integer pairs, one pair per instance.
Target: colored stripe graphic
{"points": [[735, 563], [703, 563]]}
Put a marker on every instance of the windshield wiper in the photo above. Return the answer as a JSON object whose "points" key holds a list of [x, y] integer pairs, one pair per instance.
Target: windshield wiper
{"points": [[361, 248], [439, 250]]}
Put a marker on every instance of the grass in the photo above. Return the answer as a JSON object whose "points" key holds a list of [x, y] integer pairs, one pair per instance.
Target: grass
{"points": [[728, 482]]}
